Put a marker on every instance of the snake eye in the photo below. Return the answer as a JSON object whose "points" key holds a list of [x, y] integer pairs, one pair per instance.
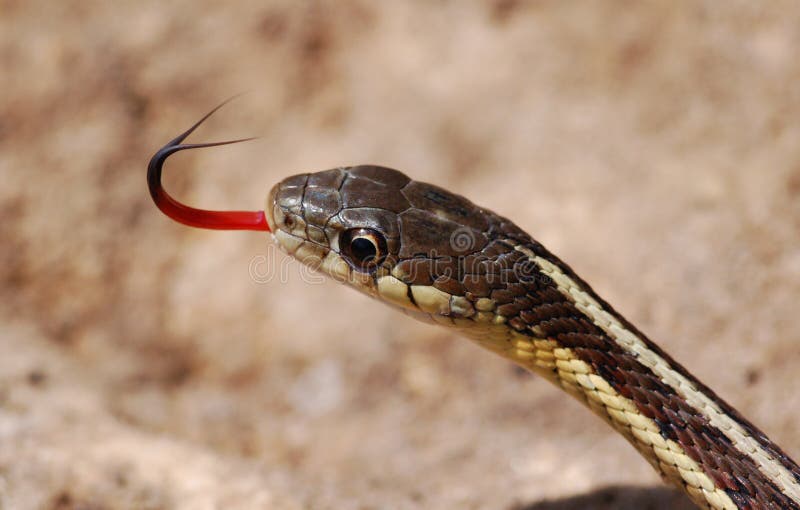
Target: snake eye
{"points": [[364, 248]]}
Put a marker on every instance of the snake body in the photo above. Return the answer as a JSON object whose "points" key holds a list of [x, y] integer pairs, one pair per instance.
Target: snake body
{"points": [[440, 258]]}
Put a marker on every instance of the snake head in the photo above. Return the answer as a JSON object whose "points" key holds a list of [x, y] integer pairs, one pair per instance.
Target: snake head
{"points": [[414, 245]]}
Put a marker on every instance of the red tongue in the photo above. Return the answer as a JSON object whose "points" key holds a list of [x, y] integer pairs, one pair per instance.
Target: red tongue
{"points": [[201, 218]]}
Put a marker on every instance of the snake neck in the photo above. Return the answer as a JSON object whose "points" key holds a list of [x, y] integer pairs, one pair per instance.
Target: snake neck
{"points": [[554, 324]]}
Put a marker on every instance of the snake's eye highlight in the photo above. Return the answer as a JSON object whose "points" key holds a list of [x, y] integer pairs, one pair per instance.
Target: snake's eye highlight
{"points": [[364, 248]]}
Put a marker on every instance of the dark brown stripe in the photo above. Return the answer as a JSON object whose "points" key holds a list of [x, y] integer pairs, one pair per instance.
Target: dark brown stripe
{"points": [[770, 447], [544, 306], [730, 469]]}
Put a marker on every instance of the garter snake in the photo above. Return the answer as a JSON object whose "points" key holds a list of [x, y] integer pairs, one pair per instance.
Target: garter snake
{"points": [[440, 258]]}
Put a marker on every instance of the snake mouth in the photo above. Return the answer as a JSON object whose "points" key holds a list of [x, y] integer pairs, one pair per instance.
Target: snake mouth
{"points": [[269, 208]]}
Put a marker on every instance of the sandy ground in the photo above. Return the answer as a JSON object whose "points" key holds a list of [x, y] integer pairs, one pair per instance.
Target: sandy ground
{"points": [[655, 146]]}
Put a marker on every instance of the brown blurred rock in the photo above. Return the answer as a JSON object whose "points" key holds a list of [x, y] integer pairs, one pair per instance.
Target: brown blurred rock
{"points": [[652, 145]]}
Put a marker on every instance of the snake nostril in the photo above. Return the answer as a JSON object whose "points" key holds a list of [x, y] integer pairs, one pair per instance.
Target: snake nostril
{"points": [[289, 222]]}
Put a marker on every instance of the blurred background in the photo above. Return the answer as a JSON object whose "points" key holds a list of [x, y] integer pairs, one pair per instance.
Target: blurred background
{"points": [[655, 146]]}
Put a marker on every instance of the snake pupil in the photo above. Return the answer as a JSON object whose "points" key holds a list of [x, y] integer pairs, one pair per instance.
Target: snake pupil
{"points": [[363, 249]]}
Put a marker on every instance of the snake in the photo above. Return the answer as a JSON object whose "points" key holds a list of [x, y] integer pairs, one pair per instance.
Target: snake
{"points": [[438, 257]]}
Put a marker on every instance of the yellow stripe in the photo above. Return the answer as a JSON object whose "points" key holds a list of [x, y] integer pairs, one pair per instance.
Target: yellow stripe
{"points": [[744, 442], [670, 458], [561, 366]]}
